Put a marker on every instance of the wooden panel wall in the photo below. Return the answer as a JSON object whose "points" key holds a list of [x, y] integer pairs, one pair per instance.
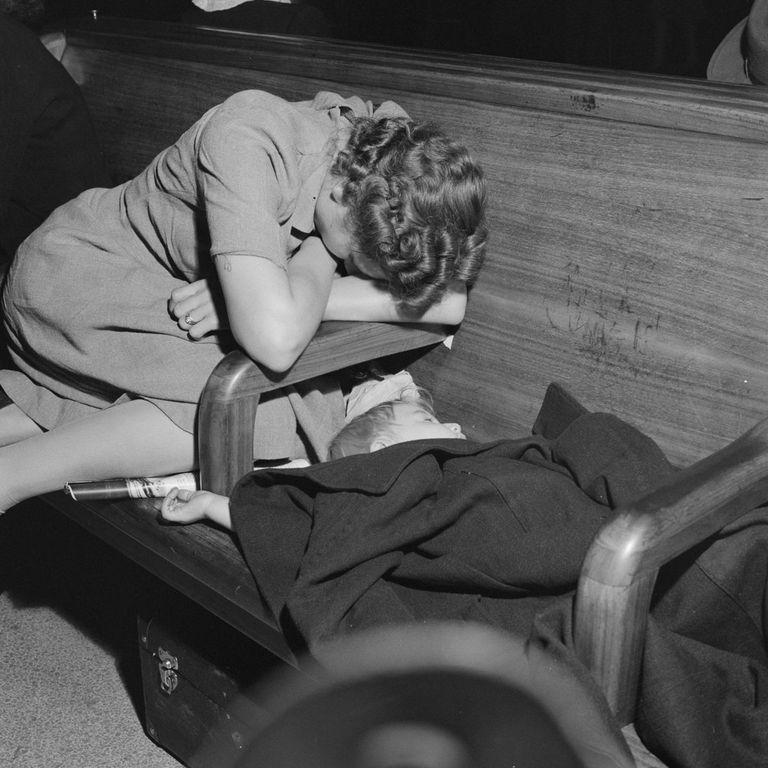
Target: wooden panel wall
{"points": [[631, 266]]}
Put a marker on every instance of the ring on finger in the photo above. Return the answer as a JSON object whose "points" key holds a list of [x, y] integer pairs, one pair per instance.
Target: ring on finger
{"points": [[189, 320]]}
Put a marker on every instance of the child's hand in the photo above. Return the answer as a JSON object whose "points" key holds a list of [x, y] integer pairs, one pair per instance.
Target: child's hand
{"points": [[181, 506]]}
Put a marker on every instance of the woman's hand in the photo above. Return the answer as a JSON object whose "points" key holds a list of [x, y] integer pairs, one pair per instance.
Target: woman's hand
{"points": [[198, 309], [184, 507]]}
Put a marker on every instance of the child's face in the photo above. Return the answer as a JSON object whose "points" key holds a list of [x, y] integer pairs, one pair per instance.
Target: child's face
{"points": [[413, 422]]}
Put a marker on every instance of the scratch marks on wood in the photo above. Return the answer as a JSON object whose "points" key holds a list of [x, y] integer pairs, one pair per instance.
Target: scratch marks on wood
{"points": [[585, 102], [606, 320], [642, 330]]}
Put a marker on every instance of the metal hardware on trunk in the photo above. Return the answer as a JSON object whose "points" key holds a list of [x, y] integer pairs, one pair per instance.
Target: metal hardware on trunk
{"points": [[167, 665]]}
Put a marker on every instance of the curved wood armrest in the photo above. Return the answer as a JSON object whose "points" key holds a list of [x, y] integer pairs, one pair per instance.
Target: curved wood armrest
{"points": [[621, 567], [231, 396]]}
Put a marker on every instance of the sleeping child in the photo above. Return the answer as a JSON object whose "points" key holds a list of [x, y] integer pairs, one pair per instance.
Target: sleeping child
{"points": [[410, 416]]}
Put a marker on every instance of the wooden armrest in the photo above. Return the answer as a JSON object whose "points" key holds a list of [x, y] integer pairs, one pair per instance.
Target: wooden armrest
{"points": [[231, 396], [621, 567]]}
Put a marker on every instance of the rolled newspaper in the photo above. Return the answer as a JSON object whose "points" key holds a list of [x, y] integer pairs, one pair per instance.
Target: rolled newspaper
{"points": [[132, 487]]}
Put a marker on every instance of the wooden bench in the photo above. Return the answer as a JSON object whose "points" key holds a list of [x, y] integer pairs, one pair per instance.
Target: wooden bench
{"points": [[627, 260]]}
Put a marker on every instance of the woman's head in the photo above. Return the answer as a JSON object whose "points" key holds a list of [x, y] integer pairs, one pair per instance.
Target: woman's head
{"points": [[415, 207]]}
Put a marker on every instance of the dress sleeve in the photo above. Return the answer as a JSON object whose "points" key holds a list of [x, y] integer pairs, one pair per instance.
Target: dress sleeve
{"points": [[246, 169]]}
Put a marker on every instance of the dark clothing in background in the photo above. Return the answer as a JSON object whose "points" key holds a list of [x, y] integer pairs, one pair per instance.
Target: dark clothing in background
{"points": [[704, 691], [265, 16], [48, 148], [496, 533]]}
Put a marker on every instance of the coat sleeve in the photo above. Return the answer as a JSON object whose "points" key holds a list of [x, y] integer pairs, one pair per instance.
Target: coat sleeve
{"points": [[273, 522], [318, 548]]}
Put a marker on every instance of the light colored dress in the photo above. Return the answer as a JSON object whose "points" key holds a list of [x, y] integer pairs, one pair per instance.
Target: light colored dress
{"points": [[86, 300]]}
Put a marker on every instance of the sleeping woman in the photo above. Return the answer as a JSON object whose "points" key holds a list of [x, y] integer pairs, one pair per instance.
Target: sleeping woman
{"points": [[265, 217]]}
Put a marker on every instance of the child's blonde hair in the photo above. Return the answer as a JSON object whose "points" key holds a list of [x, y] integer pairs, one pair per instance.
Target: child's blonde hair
{"points": [[358, 435]]}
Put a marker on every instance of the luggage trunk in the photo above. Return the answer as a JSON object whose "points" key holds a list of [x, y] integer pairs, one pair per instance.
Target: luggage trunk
{"points": [[200, 679]]}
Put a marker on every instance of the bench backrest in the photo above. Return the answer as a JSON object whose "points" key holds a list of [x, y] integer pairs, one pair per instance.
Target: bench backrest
{"points": [[627, 215]]}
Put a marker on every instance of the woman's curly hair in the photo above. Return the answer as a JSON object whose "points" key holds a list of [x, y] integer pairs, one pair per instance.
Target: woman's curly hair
{"points": [[416, 204]]}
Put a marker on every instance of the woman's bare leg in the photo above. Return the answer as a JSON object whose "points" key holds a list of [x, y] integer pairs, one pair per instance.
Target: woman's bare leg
{"points": [[127, 440]]}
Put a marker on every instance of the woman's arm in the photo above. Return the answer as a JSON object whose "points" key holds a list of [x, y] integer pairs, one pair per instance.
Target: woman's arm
{"points": [[273, 312], [351, 298], [355, 298], [247, 168]]}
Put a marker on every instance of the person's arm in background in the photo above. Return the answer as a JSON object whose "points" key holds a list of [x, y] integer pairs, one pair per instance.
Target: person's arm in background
{"points": [[17, 108], [49, 151]]}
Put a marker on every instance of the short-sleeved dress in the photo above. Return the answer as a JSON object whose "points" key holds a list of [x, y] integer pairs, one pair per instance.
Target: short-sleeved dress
{"points": [[86, 299]]}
